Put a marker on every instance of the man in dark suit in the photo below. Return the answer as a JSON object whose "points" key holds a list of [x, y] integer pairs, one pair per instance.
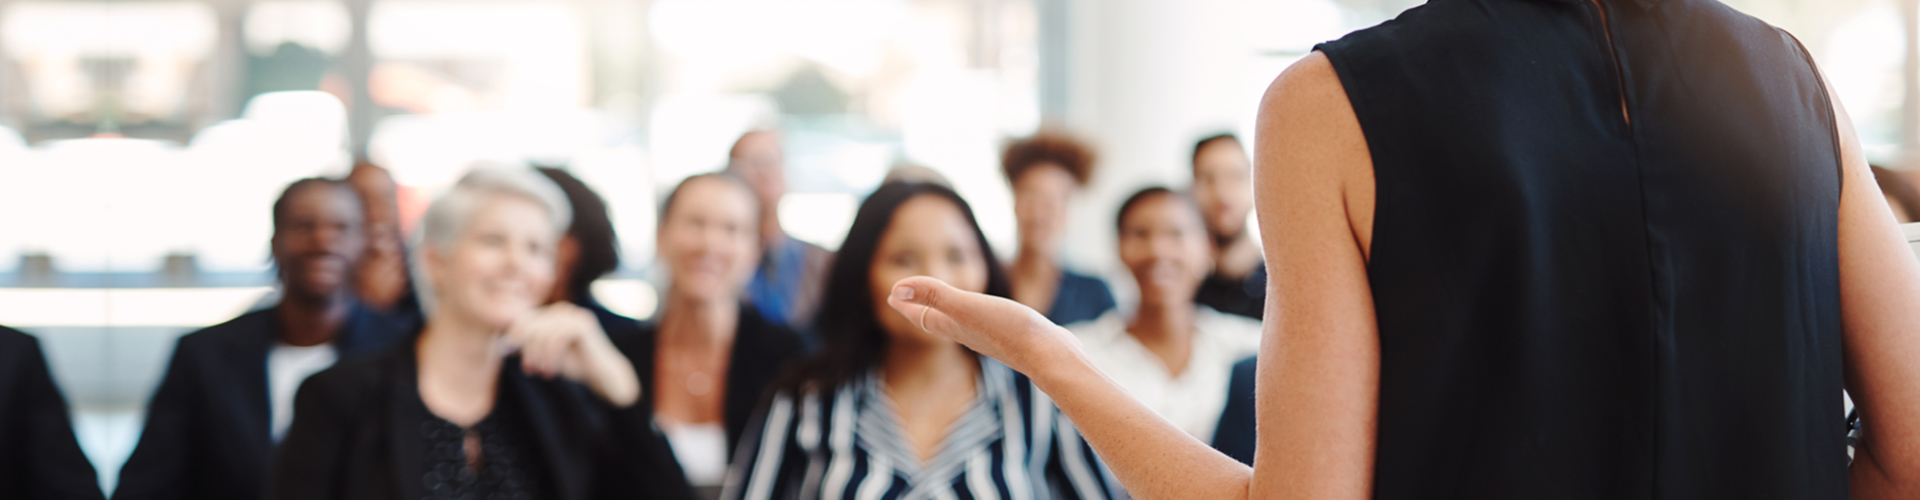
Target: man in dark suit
{"points": [[39, 459], [228, 393]]}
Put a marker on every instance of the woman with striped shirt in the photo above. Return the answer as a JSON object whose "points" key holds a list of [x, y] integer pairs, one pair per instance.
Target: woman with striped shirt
{"points": [[888, 411]]}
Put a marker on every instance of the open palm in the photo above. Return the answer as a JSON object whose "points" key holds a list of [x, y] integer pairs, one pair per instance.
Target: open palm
{"points": [[997, 327]]}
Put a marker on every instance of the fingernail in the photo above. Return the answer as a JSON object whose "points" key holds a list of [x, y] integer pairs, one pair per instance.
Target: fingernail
{"points": [[903, 293]]}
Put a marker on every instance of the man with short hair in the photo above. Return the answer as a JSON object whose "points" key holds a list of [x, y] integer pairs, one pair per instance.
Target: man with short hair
{"points": [[787, 288], [1223, 189], [228, 392]]}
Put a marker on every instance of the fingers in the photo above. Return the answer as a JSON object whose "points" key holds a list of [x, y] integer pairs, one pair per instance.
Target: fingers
{"points": [[550, 339], [916, 296], [992, 326]]}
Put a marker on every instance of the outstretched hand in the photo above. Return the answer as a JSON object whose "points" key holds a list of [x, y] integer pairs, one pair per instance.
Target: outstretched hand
{"points": [[996, 327]]}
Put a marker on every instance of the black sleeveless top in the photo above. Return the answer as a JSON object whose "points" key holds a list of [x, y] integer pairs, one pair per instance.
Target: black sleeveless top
{"points": [[1574, 306]]}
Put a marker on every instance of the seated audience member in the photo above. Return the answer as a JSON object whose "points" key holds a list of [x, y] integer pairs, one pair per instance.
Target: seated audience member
{"points": [[1044, 171], [886, 410], [1223, 189], [227, 396], [1176, 356], [589, 250], [497, 396], [39, 458], [708, 358], [1901, 194], [786, 289]]}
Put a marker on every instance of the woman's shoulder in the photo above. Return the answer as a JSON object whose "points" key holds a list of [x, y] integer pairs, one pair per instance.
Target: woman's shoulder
{"points": [[1069, 278], [354, 379]]}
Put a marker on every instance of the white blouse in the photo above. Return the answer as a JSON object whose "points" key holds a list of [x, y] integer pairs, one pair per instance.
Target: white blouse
{"points": [[1192, 399]]}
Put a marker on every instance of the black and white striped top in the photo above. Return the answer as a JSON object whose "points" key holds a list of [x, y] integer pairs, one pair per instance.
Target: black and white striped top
{"points": [[847, 444]]}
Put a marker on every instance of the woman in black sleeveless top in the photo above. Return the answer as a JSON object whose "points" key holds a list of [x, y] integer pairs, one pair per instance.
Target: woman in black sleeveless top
{"points": [[1544, 249]]}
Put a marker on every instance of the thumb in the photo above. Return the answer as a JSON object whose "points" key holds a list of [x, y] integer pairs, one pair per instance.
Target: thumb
{"points": [[922, 299]]}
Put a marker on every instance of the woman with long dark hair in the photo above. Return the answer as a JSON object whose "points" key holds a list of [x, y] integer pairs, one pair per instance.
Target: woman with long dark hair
{"points": [[886, 410]]}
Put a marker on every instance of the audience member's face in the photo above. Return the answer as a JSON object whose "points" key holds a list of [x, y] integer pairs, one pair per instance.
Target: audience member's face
{"points": [[501, 267], [319, 240], [1222, 187], [1164, 245], [759, 161], [710, 240], [927, 237], [1040, 204]]}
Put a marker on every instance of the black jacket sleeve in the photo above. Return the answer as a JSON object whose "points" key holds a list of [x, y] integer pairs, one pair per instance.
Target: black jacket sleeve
{"points": [[157, 470], [51, 465], [312, 461], [637, 463]]}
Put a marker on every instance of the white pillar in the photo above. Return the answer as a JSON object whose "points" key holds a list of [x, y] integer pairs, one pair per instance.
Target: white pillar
{"points": [[1147, 78]]}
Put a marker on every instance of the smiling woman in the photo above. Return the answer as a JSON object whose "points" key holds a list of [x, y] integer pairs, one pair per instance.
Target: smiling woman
{"points": [[499, 394], [708, 358]]}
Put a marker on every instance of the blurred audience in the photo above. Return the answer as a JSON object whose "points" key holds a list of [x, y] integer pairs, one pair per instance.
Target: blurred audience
{"points": [[1223, 189], [886, 410], [708, 358], [588, 251], [1176, 356], [1044, 171], [787, 287], [1901, 194], [227, 396], [381, 277], [498, 396], [39, 458]]}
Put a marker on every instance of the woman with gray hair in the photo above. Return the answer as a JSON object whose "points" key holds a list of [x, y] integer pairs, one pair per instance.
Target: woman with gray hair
{"points": [[498, 396]]}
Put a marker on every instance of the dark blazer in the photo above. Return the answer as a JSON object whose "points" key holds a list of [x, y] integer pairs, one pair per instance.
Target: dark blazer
{"points": [[1079, 298], [208, 430], [39, 458], [356, 435], [1235, 434], [761, 349]]}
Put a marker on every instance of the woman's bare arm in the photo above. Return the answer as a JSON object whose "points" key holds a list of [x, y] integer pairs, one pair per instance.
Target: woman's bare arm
{"points": [[1319, 382], [1319, 365], [1880, 311]]}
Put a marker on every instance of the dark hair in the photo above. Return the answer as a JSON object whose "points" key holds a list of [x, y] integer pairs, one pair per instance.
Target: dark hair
{"points": [[851, 339], [1202, 144], [591, 228], [1900, 188], [286, 196], [666, 205], [1048, 147], [1141, 196]]}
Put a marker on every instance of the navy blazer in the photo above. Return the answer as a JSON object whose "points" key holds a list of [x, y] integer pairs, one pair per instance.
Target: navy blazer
{"points": [[208, 433], [1235, 435], [39, 458]]}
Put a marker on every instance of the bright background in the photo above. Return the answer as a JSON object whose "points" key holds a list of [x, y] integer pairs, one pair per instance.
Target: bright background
{"points": [[143, 141]]}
